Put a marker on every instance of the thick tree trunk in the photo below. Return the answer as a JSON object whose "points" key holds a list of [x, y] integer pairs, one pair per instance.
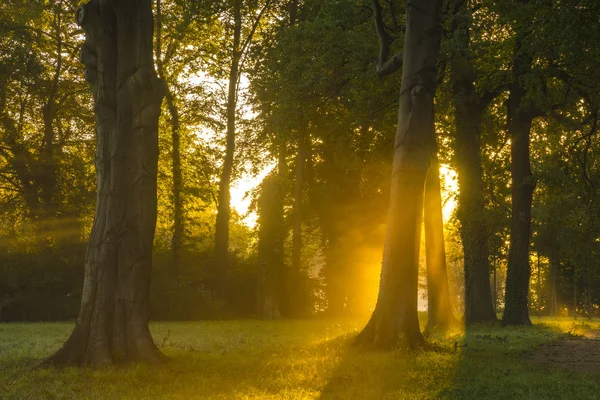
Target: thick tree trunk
{"points": [[516, 310], [113, 318], [438, 293], [468, 109], [395, 314], [223, 208]]}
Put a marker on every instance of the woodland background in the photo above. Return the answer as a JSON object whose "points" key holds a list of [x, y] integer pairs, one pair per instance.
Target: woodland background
{"points": [[315, 121]]}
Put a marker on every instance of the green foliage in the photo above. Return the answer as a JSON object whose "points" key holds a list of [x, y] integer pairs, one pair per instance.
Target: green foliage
{"points": [[42, 286]]}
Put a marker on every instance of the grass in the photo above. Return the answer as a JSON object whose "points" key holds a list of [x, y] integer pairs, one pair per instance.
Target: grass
{"points": [[299, 360]]}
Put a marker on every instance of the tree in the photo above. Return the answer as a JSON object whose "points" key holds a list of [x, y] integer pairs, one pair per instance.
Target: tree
{"points": [[238, 52], [438, 293], [469, 107], [43, 116], [270, 248], [520, 117], [118, 56], [396, 310]]}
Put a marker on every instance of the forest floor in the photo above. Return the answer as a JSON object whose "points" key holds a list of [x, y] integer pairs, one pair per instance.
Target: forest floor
{"points": [[313, 359]]}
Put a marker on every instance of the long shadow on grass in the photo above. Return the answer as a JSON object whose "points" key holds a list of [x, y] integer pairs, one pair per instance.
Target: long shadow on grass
{"points": [[397, 374]]}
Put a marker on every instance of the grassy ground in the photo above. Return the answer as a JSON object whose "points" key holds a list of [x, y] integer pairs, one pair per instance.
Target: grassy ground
{"points": [[300, 360]]}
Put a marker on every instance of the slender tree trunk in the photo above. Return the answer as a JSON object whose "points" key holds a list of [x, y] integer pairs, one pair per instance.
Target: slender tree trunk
{"points": [[395, 314], [519, 117], [223, 208], [177, 200], [438, 293], [552, 297], [281, 231], [296, 268], [113, 319], [574, 292], [46, 168], [539, 284], [495, 285], [178, 222]]}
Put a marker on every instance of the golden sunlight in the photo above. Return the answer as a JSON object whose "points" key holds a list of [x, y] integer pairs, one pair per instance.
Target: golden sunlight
{"points": [[241, 198], [449, 184]]}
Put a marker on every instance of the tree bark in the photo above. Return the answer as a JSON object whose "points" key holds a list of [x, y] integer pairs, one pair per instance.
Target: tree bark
{"points": [[468, 110], [438, 293], [112, 324], [223, 208], [395, 313], [519, 117]]}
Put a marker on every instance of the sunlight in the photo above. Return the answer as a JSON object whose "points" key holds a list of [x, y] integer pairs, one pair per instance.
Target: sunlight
{"points": [[449, 184], [241, 198]]}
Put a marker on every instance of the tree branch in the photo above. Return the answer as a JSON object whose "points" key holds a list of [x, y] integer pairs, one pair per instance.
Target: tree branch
{"points": [[254, 26], [384, 66], [489, 96]]}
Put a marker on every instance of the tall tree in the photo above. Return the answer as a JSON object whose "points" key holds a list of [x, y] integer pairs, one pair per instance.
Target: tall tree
{"points": [[520, 117], [41, 114], [438, 293], [118, 56], [469, 107], [239, 48], [270, 247], [178, 222], [396, 311]]}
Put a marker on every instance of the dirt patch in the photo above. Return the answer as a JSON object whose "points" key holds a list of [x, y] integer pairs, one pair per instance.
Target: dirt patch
{"points": [[579, 355]]}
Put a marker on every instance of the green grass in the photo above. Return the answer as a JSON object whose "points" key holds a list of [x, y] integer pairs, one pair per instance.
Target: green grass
{"points": [[299, 360]]}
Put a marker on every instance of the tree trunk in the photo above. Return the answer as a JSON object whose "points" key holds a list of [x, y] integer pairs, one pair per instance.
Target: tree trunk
{"points": [[438, 293], [223, 208], [270, 247], [47, 165], [334, 273], [395, 313], [518, 272], [296, 268], [468, 109], [552, 297], [113, 318], [176, 198]]}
